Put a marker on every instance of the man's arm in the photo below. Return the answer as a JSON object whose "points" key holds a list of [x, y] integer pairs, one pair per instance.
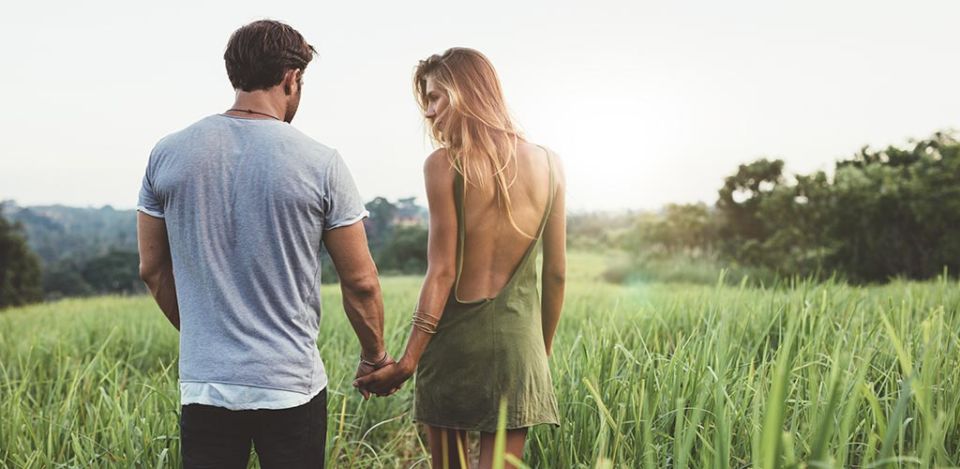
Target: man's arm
{"points": [[360, 285], [156, 267]]}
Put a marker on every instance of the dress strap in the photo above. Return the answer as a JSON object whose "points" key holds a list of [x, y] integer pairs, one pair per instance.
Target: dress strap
{"points": [[459, 193], [550, 194]]}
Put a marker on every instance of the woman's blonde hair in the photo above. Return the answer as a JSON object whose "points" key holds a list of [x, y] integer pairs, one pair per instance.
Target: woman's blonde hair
{"points": [[476, 127]]}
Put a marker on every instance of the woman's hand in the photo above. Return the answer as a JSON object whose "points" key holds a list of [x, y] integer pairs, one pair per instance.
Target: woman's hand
{"points": [[384, 381], [365, 368]]}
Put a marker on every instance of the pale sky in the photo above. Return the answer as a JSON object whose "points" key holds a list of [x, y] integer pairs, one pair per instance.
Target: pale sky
{"points": [[646, 102]]}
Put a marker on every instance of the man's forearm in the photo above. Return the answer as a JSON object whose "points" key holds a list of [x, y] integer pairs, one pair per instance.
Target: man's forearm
{"points": [[164, 290], [364, 308]]}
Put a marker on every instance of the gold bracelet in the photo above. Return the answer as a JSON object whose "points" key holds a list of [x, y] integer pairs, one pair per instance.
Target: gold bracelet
{"points": [[417, 320], [424, 321], [424, 325], [418, 312], [425, 329]]}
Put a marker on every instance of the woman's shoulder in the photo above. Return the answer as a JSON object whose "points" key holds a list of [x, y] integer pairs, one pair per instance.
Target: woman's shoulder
{"points": [[434, 159], [438, 165], [536, 150]]}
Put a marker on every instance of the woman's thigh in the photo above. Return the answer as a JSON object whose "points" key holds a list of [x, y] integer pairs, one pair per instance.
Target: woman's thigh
{"points": [[448, 445], [515, 441]]}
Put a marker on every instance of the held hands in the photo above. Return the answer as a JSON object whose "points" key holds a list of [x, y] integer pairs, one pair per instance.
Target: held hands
{"points": [[387, 378], [383, 381], [366, 367]]}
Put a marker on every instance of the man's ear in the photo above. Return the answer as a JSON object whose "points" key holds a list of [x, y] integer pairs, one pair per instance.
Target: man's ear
{"points": [[290, 78]]}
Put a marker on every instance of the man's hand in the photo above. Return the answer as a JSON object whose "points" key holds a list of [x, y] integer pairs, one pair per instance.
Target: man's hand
{"points": [[384, 381], [365, 368]]}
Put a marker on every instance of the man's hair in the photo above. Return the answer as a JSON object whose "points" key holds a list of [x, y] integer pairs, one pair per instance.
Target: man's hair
{"points": [[259, 54]]}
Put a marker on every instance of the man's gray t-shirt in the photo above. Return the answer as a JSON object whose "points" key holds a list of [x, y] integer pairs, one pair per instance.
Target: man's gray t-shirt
{"points": [[246, 202]]}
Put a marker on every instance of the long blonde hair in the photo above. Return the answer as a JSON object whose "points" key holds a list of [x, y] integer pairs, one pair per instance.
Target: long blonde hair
{"points": [[476, 125]]}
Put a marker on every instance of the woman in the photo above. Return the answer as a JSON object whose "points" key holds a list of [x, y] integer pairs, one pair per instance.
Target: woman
{"points": [[480, 333]]}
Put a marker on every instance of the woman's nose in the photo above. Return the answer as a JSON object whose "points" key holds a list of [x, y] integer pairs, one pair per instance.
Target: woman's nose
{"points": [[431, 113]]}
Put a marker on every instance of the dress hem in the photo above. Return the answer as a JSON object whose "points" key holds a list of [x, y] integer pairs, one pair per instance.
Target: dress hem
{"points": [[481, 428]]}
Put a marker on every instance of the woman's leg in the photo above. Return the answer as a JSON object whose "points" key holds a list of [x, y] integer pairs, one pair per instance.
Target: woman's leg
{"points": [[448, 447], [515, 440]]}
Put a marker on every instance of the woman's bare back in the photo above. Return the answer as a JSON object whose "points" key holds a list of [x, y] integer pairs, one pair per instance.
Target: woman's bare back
{"points": [[493, 247]]}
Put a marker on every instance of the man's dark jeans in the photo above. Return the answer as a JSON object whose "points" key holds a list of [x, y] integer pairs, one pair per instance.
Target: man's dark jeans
{"points": [[214, 437]]}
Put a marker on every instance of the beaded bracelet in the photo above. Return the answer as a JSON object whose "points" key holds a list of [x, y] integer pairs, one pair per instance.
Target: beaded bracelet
{"points": [[379, 361]]}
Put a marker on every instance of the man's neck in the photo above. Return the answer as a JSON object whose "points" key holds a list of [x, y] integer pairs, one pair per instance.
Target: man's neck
{"points": [[261, 102]]}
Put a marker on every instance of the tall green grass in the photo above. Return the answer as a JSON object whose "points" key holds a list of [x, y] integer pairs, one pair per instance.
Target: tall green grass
{"points": [[648, 375]]}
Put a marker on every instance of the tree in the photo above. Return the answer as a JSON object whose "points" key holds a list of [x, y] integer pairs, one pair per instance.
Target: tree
{"points": [[742, 226], [406, 252], [63, 279], [678, 229], [799, 219], [114, 272], [380, 223], [897, 211], [888, 213], [19, 267]]}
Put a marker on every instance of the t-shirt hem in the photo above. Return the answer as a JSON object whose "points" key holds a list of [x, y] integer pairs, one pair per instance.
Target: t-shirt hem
{"points": [[348, 221], [152, 213]]}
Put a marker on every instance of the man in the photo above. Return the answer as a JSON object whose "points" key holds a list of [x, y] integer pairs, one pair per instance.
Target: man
{"points": [[232, 213]]}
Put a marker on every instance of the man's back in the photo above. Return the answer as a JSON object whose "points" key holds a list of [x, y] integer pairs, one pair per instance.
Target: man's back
{"points": [[233, 210], [246, 202]]}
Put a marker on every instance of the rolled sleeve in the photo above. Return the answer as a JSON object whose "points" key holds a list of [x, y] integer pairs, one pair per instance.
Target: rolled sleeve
{"points": [[347, 221], [148, 202], [343, 205]]}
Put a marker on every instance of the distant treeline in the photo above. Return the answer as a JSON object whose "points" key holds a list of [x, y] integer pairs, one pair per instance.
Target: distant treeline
{"points": [[81, 251], [49, 252], [881, 214]]}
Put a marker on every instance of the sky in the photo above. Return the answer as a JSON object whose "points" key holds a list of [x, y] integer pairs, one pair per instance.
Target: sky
{"points": [[647, 103]]}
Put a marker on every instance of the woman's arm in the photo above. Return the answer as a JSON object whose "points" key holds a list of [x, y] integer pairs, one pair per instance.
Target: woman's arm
{"points": [[438, 175], [554, 259], [441, 272]]}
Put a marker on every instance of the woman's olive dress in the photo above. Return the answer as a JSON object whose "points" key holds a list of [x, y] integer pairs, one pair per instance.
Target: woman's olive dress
{"points": [[489, 350]]}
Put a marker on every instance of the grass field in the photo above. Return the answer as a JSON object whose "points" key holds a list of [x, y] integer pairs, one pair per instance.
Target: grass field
{"points": [[650, 375]]}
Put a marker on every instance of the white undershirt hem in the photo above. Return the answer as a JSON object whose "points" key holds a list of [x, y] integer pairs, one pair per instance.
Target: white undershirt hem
{"points": [[240, 397]]}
